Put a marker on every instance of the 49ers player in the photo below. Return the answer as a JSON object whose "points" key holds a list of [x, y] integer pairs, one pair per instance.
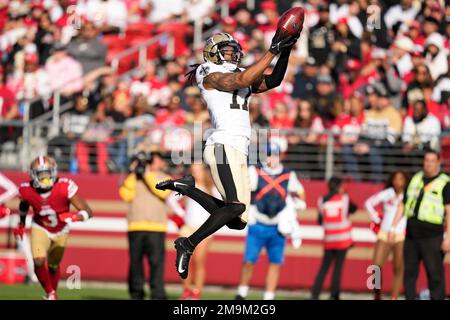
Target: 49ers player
{"points": [[50, 197]]}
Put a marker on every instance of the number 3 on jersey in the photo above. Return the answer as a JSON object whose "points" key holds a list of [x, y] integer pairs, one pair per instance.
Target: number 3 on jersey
{"points": [[235, 104], [52, 219]]}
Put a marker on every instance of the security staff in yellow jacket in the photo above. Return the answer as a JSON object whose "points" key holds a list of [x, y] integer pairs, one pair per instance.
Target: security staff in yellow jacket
{"points": [[426, 204], [147, 222]]}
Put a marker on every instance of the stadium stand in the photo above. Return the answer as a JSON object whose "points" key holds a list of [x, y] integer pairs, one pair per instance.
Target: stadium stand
{"points": [[128, 60]]}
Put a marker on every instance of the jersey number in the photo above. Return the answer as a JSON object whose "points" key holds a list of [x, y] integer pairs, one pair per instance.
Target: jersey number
{"points": [[235, 104], [52, 219]]}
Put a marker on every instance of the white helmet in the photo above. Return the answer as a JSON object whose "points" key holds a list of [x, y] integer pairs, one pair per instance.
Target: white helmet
{"points": [[43, 172]]}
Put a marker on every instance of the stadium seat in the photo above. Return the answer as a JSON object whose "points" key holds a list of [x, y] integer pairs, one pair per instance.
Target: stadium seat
{"points": [[139, 29], [112, 40], [153, 51]]}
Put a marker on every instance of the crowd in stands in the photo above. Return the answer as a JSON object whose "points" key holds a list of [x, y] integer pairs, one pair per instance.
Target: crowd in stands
{"points": [[376, 80]]}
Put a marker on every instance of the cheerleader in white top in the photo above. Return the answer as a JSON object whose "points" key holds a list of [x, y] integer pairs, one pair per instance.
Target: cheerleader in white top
{"points": [[389, 199]]}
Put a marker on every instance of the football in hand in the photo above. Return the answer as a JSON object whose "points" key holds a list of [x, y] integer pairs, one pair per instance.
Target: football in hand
{"points": [[291, 22]]}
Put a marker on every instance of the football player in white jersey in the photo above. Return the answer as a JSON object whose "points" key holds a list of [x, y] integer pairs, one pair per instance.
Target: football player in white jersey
{"points": [[226, 89]]}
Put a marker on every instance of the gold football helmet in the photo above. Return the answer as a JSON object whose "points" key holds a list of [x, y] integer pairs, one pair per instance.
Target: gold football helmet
{"points": [[217, 44]]}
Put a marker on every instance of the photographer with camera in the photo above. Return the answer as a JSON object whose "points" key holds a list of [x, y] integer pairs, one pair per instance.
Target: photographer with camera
{"points": [[147, 222]]}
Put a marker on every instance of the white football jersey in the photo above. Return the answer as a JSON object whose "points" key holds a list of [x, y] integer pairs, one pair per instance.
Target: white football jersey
{"points": [[228, 111]]}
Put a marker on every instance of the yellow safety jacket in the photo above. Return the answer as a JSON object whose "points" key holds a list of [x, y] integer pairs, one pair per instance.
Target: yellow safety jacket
{"points": [[432, 209], [148, 210], [127, 190]]}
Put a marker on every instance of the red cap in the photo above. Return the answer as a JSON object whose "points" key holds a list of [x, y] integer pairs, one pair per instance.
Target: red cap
{"points": [[414, 25], [342, 20], [435, 6], [269, 5], [37, 5], [352, 64], [31, 58], [229, 21]]}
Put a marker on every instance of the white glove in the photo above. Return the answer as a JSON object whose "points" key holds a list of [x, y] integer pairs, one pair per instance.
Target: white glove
{"points": [[251, 219], [296, 242], [376, 220], [296, 235], [299, 204], [286, 218]]}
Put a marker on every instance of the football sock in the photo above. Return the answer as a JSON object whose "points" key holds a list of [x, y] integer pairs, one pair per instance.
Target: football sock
{"points": [[54, 277], [217, 220], [207, 201], [269, 295], [44, 278], [243, 291]]}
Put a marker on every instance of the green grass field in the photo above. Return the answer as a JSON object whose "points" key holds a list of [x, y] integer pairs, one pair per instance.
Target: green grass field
{"points": [[35, 292], [99, 291], [113, 291]]}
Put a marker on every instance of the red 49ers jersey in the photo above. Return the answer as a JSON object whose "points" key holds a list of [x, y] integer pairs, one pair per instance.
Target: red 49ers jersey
{"points": [[46, 207]]}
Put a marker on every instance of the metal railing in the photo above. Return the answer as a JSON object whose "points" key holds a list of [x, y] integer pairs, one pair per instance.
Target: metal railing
{"points": [[104, 153]]}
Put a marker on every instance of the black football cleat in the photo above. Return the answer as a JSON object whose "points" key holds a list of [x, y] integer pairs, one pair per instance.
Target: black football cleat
{"points": [[183, 257], [237, 224], [178, 185]]}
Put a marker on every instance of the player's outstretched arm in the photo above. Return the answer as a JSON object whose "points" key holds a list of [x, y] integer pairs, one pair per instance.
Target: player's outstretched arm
{"points": [[253, 74], [84, 211], [266, 82], [234, 81]]}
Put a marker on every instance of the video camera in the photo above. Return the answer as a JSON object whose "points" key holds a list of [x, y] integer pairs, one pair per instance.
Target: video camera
{"points": [[142, 158]]}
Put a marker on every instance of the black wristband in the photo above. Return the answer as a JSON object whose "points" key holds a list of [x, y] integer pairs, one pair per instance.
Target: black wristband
{"points": [[274, 79], [23, 217], [23, 210]]}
